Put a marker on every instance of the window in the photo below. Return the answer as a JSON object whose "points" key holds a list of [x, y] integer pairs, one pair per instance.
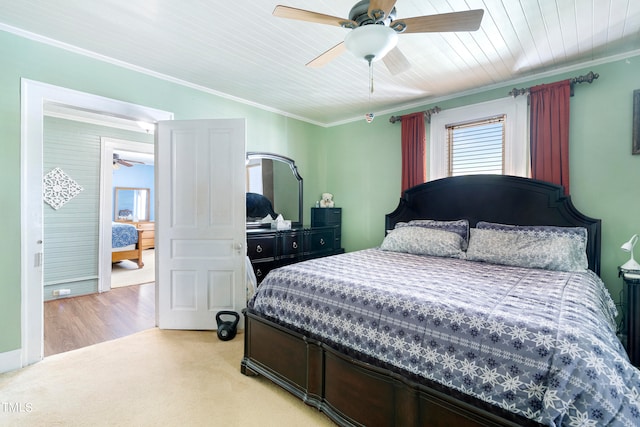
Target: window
{"points": [[476, 147], [450, 130]]}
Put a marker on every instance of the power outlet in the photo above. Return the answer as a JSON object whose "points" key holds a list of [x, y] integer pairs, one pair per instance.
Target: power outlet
{"points": [[61, 292]]}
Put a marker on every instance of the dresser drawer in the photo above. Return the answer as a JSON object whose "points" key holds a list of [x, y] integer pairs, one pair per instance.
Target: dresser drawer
{"points": [[261, 247], [148, 234], [148, 240], [321, 240], [326, 216], [291, 244], [262, 268]]}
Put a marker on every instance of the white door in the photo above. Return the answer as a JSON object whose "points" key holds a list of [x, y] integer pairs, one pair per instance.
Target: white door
{"points": [[200, 221]]}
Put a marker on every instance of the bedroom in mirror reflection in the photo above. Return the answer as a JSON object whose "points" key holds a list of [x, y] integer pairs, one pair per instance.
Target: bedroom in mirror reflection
{"points": [[131, 204]]}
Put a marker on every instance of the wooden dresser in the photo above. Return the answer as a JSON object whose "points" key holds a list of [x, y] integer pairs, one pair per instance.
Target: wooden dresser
{"points": [[268, 249], [148, 237]]}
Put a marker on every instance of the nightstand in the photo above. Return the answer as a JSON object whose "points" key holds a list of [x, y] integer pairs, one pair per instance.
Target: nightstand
{"points": [[631, 313], [328, 217]]}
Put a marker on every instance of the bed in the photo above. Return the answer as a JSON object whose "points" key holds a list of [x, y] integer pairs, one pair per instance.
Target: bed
{"points": [[393, 336], [126, 243]]}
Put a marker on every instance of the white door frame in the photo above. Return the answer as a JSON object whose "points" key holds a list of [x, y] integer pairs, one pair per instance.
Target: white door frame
{"points": [[33, 97], [107, 147]]}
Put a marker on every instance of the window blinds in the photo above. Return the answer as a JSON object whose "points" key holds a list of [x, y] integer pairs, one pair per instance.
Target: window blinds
{"points": [[476, 147]]}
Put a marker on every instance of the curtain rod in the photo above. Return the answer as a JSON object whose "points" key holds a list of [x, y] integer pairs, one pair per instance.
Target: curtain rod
{"points": [[427, 114], [587, 78]]}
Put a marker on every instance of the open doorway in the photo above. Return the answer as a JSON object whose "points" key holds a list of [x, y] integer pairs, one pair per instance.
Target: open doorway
{"points": [[127, 202], [73, 142], [34, 96], [132, 207]]}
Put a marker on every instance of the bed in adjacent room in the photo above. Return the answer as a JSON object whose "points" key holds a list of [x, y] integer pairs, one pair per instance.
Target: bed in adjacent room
{"points": [[482, 306], [126, 243]]}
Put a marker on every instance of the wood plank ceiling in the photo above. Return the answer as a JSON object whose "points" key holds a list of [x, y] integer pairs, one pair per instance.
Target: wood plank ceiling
{"points": [[237, 49]]}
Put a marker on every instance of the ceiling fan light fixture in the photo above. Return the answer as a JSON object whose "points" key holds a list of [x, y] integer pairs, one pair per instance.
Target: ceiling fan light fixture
{"points": [[372, 41]]}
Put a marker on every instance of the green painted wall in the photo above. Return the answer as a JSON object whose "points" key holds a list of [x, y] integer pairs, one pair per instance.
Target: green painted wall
{"points": [[359, 163], [363, 162], [23, 58], [71, 232]]}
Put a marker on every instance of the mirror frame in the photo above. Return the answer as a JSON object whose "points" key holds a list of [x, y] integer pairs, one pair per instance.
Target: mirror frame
{"points": [[115, 202], [251, 155]]}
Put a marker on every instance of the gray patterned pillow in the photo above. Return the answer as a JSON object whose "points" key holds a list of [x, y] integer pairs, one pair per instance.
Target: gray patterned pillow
{"points": [[531, 249], [460, 227], [579, 233], [423, 241]]}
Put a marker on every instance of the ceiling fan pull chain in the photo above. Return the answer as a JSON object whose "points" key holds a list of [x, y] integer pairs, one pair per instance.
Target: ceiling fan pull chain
{"points": [[369, 116], [370, 79], [369, 59]]}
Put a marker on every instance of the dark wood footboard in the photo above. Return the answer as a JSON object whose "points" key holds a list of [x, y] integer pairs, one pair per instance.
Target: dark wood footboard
{"points": [[354, 393]]}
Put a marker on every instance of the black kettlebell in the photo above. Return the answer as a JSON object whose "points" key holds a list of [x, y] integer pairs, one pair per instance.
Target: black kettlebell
{"points": [[227, 330]]}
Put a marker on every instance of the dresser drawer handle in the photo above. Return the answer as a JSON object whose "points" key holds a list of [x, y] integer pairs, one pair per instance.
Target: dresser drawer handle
{"points": [[321, 241], [258, 272], [295, 245], [258, 249]]}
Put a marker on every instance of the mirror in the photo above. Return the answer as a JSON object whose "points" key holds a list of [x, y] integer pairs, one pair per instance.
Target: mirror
{"points": [[131, 204], [273, 179]]}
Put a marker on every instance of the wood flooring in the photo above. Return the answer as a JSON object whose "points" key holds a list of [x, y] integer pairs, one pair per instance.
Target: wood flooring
{"points": [[71, 323]]}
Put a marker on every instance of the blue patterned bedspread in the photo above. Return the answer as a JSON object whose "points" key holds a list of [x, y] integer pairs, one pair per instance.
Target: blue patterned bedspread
{"points": [[538, 343], [123, 235]]}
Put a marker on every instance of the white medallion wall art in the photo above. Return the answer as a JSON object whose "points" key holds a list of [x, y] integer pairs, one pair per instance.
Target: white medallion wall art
{"points": [[59, 188]]}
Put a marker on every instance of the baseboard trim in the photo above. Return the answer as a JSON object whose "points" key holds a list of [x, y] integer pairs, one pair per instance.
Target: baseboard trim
{"points": [[10, 360]]}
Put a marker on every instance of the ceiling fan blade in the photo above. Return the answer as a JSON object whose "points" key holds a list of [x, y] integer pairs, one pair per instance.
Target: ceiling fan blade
{"points": [[384, 5], [306, 15], [396, 62], [327, 56], [444, 22]]}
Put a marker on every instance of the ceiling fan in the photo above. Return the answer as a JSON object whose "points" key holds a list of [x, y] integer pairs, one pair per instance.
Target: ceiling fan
{"points": [[374, 29], [117, 161]]}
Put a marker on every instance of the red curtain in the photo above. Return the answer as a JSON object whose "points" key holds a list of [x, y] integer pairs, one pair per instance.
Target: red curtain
{"points": [[414, 169], [550, 132]]}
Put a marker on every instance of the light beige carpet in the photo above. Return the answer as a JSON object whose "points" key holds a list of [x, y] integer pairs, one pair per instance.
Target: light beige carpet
{"points": [[127, 273], [152, 378]]}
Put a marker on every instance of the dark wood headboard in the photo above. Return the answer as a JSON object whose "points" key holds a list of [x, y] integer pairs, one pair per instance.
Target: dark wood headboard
{"points": [[496, 198]]}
